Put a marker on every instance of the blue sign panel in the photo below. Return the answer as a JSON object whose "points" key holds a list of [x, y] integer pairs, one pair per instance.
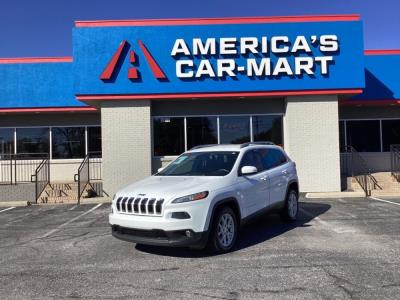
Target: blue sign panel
{"points": [[218, 58], [27, 85]]}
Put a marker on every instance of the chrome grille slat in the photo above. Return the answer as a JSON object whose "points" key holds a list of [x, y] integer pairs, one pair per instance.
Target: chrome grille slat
{"points": [[118, 203], [129, 205], [123, 204], [150, 206], [140, 206], [136, 205], [143, 206]]}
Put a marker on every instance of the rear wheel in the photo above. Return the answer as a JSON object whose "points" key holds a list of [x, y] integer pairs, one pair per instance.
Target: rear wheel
{"points": [[224, 229], [291, 208]]}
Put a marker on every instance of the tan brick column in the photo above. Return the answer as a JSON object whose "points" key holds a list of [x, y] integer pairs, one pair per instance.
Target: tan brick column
{"points": [[311, 137], [126, 142]]}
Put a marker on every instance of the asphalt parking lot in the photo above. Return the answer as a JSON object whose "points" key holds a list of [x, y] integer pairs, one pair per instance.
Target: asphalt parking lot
{"points": [[338, 249]]}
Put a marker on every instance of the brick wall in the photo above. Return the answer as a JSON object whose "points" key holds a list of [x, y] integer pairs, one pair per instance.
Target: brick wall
{"points": [[311, 134], [126, 142], [19, 192]]}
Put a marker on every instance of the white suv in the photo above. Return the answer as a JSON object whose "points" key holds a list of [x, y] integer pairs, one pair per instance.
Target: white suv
{"points": [[204, 196]]}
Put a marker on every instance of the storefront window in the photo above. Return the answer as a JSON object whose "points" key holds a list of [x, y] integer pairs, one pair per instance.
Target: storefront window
{"points": [[390, 133], [6, 140], [68, 142], [364, 136], [201, 131], [234, 130], [33, 141], [342, 136], [267, 128], [168, 136], [94, 140]]}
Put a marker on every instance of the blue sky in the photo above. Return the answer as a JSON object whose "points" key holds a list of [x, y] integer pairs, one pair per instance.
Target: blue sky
{"points": [[43, 27]]}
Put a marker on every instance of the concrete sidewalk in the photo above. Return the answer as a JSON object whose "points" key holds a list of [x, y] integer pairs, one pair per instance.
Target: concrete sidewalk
{"points": [[95, 200]]}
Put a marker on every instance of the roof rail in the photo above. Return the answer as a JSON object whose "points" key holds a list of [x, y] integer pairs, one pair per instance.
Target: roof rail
{"points": [[203, 146], [256, 143]]}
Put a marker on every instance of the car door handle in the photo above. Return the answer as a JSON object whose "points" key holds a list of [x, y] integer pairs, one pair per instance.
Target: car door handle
{"points": [[284, 172], [264, 178]]}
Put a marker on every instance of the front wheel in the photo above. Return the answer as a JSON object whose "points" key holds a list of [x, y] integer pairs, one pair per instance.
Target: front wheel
{"points": [[223, 231], [291, 208]]}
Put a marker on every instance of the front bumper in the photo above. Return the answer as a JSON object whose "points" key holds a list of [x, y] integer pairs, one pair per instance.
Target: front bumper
{"points": [[156, 237]]}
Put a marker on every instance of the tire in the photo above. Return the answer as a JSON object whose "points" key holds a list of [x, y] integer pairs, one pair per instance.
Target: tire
{"points": [[291, 209], [220, 241]]}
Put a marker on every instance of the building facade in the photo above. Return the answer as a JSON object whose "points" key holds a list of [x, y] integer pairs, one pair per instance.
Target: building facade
{"points": [[142, 92]]}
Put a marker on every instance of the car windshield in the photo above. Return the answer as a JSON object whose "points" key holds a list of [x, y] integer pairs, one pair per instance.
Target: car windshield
{"points": [[201, 164]]}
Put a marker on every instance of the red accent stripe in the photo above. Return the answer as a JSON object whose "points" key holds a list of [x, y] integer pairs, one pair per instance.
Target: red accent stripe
{"points": [[382, 52], [207, 21], [158, 73], [376, 102], [218, 95], [28, 60], [47, 109], [110, 68]]}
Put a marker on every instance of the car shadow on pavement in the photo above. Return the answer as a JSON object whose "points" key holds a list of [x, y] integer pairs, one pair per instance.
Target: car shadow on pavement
{"points": [[261, 229]]}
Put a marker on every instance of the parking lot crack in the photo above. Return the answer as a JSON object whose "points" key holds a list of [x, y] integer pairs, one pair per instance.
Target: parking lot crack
{"points": [[345, 285]]}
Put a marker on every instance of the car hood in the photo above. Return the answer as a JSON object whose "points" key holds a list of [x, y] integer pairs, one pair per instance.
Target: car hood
{"points": [[168, 187]]}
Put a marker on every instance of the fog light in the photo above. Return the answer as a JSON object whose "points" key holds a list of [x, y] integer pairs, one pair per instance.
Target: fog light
{"points": [[180, 215], [188, 233]]}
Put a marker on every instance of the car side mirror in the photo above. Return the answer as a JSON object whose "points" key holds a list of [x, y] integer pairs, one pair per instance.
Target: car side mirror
{"points": [[160, 169], [248, 170]]}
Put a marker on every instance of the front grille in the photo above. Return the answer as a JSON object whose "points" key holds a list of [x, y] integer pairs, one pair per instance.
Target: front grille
{"points": [[140, 206]]}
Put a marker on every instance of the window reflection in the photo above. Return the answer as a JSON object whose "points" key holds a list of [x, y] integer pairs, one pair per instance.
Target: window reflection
{"points": [[364, 136], [68, 142], [267, 128], [201, 131], [6, 140], [168, 136], [234, 130], [33, 140], [94, 140]]}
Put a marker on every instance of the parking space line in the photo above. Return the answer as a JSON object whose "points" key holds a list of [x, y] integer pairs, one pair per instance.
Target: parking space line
{"points": [[387, 201], [70, 221], [73, 207], [7, 209]]}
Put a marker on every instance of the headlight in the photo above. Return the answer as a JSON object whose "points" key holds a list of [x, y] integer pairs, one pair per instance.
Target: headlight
{"points": [[193, 197]]}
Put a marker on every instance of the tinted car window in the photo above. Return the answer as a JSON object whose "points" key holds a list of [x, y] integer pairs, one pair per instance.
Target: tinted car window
{"points": [[252, 158], [272, 158]]}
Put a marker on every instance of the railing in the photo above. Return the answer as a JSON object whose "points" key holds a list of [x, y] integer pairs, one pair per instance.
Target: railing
{"points": [[18, 168], [353, 164], [6, 169], [95, 165], [83, 176], [395, 161], [41, 178]]}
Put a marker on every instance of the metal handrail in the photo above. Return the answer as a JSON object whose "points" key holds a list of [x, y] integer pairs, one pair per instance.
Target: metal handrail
{"points": [[360, 171], [395, 161], [95, 165], [18, 168], [83, 176], [41, 178]]}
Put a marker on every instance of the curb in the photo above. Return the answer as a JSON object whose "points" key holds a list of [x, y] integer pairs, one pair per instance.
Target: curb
{"points": [[13, 203], [335, 195]]}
